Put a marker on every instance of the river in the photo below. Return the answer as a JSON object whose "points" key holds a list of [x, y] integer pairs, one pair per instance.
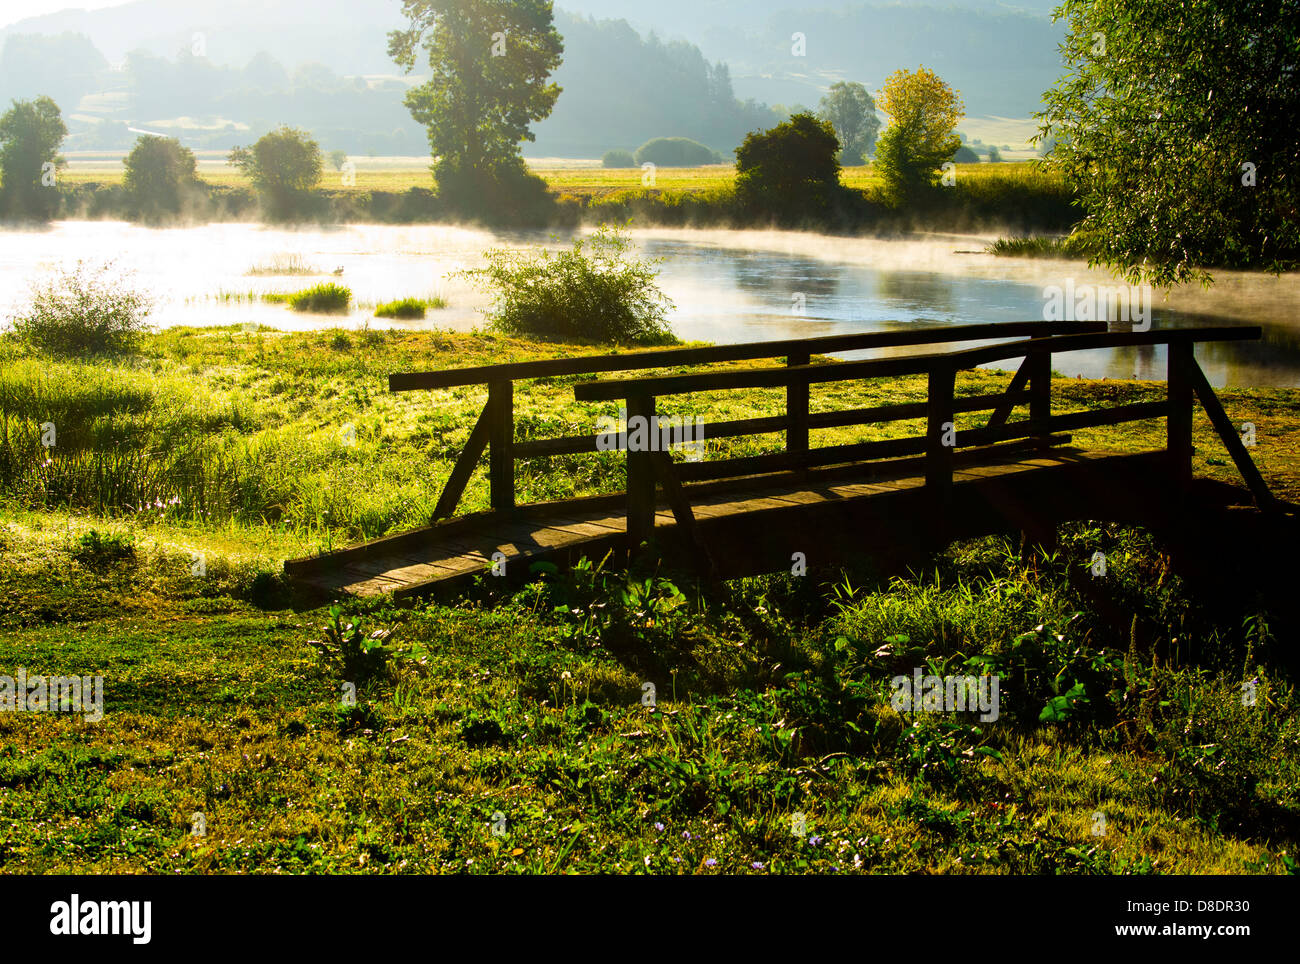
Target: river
{"points": [[727, 286]]}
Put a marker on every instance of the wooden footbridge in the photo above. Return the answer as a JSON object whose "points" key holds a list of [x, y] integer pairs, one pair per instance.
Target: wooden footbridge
{"points": [[815, 505]]}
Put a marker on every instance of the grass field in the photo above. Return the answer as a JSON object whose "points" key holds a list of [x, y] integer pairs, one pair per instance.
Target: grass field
{"points": [[575, 181], [506, 733]]}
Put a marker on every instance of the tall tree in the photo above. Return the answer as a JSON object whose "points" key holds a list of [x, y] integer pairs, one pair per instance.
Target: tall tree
{"points": [[1179, 124], [284, 166], [30, 134], [923, 113], [160, 172], [852, 112], [490, 62]]}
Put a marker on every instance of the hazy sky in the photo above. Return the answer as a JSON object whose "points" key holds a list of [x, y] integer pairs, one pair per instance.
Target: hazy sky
{"points": [[14, 10]]}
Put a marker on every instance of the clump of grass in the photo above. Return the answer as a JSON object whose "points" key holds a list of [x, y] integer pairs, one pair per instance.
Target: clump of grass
{"points": [[1038, 247], [282, 264], [326, 297], [277, 297], [409, 307]]}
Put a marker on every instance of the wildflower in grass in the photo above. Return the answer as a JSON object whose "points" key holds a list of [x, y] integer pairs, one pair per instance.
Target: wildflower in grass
{"points": [[814, 841], [711, 862], [686, 835], [757, 865], [659, 826]]}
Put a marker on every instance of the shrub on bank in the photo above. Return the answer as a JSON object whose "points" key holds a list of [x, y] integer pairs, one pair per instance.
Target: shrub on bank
{"points": [[84, 311], [593, 291]]}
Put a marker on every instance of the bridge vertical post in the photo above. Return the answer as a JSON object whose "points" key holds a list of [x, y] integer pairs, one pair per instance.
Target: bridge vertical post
{"points": [[1039, 364], [640, 474], [1178, 422], [501, 444], [940, 433], [796, 407]]}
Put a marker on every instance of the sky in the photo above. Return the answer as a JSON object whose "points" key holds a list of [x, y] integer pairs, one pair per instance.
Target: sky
{"points": [[11, 11]]}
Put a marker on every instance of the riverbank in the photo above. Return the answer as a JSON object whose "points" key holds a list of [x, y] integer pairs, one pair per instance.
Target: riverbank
{"points": [[509, 734], [1015, 197]]}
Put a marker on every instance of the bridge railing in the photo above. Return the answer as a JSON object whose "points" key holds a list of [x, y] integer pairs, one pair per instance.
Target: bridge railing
{"points": [[939, 443], [494, 430]]}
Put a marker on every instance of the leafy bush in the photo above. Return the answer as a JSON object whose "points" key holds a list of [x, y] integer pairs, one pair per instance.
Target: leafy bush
{"points": [[347, 648], [84, 311], [101, 550], [618, 159], [324, 297], [592, 291], [160, 177], [408, 307], [675, 152]]}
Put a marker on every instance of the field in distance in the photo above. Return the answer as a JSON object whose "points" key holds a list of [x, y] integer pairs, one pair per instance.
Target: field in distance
{"points": [[578, 177]]}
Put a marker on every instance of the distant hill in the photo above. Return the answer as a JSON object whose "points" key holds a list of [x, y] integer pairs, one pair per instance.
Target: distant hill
{"points": [[705, 69]]}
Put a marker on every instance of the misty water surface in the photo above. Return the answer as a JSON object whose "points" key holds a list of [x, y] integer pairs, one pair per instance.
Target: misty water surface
{"points": [[726, 286]]}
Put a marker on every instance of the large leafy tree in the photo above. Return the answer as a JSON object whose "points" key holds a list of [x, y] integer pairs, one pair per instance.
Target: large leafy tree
{"points": [[923, 113], [1179, 123], [790, 173], [852, 112], [284, 165], [30, 134], [490, 62], [160, 172]]}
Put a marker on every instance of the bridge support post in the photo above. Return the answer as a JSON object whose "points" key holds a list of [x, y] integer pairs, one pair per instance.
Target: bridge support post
{"points": [[796, 408], [1039, 365], [1178, 422], [501, 436], [640, 477], [940, 436]]}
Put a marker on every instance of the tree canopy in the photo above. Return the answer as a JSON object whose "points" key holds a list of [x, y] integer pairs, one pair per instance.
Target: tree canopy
{"points": [[159, 172], [852, 112], [31, 132], [790, 171], [923, 113], [1179, 124], [490, 62], [284, 166]]}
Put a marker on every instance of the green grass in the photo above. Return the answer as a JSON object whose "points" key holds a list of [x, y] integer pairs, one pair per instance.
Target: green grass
{"points": [[408, 307], [243, 449], [326, 298], [282, 264]]}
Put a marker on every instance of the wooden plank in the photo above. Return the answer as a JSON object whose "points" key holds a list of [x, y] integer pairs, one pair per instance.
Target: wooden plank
{"points": [[672, 357], [465, 465], [1232, 441], [614, 389], [501, 459], [1014, 395], [682, 514]]}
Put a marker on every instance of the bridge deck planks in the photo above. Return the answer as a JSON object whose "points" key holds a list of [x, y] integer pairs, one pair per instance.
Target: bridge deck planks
{"points": [[445, 554]]}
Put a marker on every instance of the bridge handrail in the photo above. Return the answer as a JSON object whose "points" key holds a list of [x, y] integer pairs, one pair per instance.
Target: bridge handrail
{"points": [[610, 389], [671, 357]]}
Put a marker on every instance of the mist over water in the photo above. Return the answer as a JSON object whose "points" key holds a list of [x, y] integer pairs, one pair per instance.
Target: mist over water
{"points": [[727, 286]]}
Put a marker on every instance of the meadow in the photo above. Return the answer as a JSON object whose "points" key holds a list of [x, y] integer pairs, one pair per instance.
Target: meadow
{"points": [[1018, 195], [504, 730]]}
